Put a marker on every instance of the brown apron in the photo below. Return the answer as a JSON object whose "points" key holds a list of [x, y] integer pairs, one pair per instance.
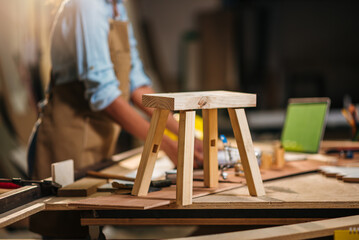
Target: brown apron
{"points": [[69, 129]]}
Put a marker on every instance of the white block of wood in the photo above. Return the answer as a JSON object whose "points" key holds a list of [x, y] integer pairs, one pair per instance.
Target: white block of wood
{"points": [[63, 172], [199, 100]]}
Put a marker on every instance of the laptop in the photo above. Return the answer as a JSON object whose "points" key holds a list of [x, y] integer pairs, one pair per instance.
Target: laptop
{"points": [[304, 126]]}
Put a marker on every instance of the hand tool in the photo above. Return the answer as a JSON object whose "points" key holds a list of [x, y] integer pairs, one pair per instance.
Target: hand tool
{"points": [[30, 191], [47, 187], [157, 183]]}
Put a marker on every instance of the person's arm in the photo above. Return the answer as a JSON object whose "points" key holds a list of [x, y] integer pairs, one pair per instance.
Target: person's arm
{"points": [[172, 124], [126, 116]]}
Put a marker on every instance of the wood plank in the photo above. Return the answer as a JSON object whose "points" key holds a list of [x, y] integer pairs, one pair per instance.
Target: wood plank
{"points": [[246, 150], [150, 152], [169, 193], [347, 174], [192, 221], [63, 172], [81, 188], [22, 212], [116, 201], [18, 197], [306, 230], [199, 100], [339, 145], [185, 157], [210, 147]]}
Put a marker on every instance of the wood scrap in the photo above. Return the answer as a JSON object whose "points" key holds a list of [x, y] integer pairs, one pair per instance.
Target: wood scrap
{"points": [[116, 201], [81, 188], [347, 174], [315, 229]]}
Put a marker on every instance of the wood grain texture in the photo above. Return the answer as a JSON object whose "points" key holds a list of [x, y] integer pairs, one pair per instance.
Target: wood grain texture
{"points": [[306, 230], [22, 212], [81, 188], [199, 100], [185, 157], [246, 150], [115, 201], [192, 221], [210, 147], [150, 152]]}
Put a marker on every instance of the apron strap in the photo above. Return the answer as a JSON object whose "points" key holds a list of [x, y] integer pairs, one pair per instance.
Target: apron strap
{"points": [[115, 10]]}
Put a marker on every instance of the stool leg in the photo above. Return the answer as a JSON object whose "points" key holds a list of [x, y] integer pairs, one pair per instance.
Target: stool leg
{"points": [[150, 152], [185, 158], [210, 149], [246, 150]]}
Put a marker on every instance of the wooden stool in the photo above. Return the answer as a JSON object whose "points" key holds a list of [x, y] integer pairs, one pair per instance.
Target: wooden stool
{"points": [[186, 103]]}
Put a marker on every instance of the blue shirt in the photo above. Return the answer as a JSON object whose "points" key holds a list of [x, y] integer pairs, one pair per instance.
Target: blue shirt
{"points": [[80, 50]]}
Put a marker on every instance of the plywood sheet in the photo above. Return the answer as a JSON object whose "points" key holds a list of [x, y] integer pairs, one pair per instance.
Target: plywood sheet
{"points": [[290, 168], [116, 201], [199, 190]]}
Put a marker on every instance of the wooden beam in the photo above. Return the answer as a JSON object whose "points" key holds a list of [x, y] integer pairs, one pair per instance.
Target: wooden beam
{"points": [[199, 100], [246, 151], [81, 188], [22, 212], [306, 230], [193, 221], [150, 152], [185, 158], [210, 147]]}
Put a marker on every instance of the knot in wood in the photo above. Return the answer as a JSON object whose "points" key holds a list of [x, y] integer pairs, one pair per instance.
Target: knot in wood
{"points": [[202, 102]]}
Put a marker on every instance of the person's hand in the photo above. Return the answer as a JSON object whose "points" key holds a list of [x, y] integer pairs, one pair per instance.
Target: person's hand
{"points": [[198, 153], [170, 147]]}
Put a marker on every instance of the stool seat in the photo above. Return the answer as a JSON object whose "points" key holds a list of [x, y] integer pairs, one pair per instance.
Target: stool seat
{"points": [[186, 103], [199, 100]]}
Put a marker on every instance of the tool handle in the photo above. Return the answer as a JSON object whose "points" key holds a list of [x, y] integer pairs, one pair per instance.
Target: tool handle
{"points": [[109, 176]]}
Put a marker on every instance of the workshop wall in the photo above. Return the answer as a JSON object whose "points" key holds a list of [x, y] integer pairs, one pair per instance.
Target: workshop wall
{"points": [[24, 70]]}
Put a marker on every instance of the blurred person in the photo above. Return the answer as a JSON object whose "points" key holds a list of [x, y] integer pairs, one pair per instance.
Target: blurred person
{"points": [[96, 70]]}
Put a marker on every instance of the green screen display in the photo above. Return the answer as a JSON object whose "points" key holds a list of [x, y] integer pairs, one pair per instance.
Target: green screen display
{"points": [[303, 127]]}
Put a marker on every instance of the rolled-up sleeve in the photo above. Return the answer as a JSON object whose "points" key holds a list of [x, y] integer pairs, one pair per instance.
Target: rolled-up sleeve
{"points": [[94, 65], [138, 77]]}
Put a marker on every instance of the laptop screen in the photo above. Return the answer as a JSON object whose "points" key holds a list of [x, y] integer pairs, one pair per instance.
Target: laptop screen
{"points": [[304, 124]]}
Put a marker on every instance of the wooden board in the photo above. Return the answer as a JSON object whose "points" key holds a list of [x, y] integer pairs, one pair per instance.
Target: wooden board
{"points": [[152, 200], [169, 193], [290, 169], [199, 100], [81, 188], [288, 193], [22, 212], [347, 174], [307, 230], [119, 202], [339, 145]]}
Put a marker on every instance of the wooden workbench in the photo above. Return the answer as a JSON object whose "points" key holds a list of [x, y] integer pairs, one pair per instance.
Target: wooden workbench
{"points": [[296, 199]]}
